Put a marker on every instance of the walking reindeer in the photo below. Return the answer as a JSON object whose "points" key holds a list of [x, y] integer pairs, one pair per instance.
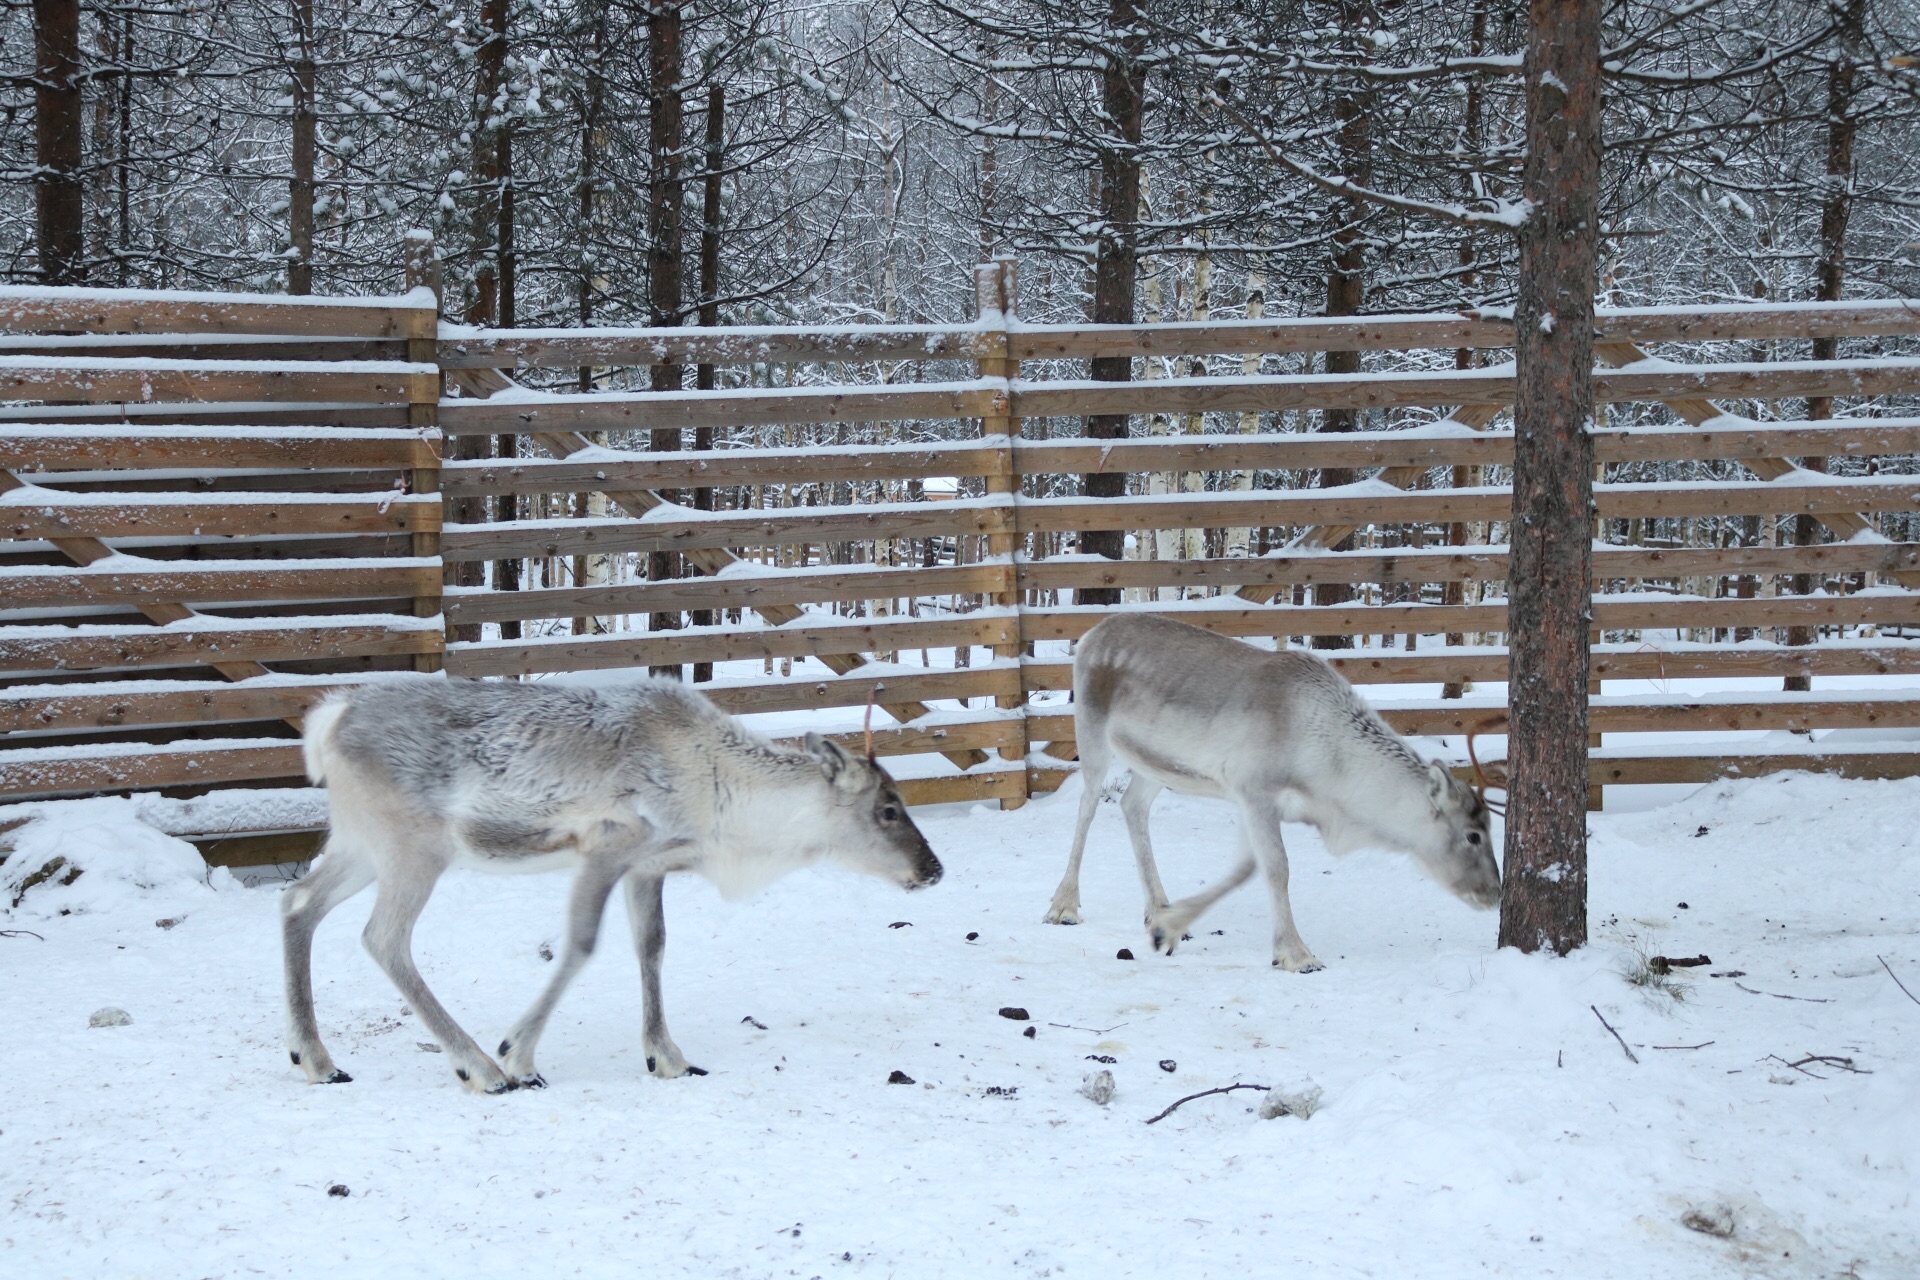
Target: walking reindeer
{"points": [[1286, 739], [627, 785]]}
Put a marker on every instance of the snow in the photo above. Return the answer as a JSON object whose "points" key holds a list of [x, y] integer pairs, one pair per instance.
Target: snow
{"points": [[1475, 1117]]}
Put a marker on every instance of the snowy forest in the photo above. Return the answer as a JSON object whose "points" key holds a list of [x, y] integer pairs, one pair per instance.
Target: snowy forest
{"points": [[787, 161]]}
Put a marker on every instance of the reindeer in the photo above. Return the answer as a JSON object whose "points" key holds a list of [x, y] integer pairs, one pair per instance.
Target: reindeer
{"points": [[625, 784], [1286, 739]]}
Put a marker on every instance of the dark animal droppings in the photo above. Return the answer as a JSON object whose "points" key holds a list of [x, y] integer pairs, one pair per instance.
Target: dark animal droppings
{"points": [[1683, 906], [339, 1189], [1031, 1032], [1702, 831], [1124, 953], [973, 937], [1169, 1065], [1013, 1012], [899, 1077]]}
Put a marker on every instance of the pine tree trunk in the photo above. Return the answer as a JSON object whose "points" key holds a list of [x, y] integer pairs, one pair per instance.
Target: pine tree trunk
{"points": [[1544, 899], [1347, 282], [703, 377], [59, 124], [1117, 259], [1836, 208], [664, 219], [306, 120]]}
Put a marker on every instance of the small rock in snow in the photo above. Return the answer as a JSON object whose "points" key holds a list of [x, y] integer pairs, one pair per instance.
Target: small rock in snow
{"points": [[1124, 953], [973, 937], [1169, 1066], [1031, 1032], [1712, 1220], [339, 1189], [168, 923], [1098, 1088], [110, 1017], [1013, 1012], [899, 1077]]}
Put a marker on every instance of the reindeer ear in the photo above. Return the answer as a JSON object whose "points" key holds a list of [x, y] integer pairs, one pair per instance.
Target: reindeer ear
{"points": [[1439, 783], [831, 757]]}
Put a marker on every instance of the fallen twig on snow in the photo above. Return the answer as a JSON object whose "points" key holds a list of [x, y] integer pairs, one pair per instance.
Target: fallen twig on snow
{"points": [[1703, 1044], [1777, 996], [1204, 1093], [1825, 1060], [1098, 1031], [1616, 1034], [1896, 979], [28, 933]]}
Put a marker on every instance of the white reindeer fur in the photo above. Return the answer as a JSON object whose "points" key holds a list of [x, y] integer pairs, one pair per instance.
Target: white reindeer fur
{"points": [[627, 785], [1283, 737]]}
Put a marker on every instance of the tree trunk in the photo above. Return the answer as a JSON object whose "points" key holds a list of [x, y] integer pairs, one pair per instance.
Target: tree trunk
{"points": [[1544, 896], [1836, 207], [306, 121], [1123, 85], [663, 239], [703, 376], [1347, 281], [59, 123]]}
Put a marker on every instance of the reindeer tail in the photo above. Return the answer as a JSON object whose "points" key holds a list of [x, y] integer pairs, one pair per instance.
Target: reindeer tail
{"points": [[316, 737]]}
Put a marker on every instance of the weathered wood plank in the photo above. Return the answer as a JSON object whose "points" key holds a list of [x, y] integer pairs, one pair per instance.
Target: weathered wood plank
{"points": [[97, 647], [105, 705], [723, 467], [200, 583], [777, 525], [192, 515], [211, 381], [731, 592], [800, 694], [31, 773], [53, 447], [1610, 769], [621, 411], [496, 658], [36, 309]]}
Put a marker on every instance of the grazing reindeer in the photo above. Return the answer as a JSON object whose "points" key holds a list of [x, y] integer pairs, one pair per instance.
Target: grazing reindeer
{"points": [[626, 784], [1285, 738]]}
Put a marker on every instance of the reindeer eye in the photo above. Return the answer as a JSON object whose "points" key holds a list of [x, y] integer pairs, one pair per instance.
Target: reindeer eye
{"points": [[889, 814], [1473, 837]]}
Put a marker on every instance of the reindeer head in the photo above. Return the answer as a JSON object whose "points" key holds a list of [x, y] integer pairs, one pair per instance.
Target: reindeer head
{"points": [[1461, 858], [868, 827]]}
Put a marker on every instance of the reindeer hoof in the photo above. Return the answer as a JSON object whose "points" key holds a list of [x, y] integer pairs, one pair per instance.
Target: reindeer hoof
{"points": [[1062, 914], [534, 1081], [338, 1077], [505, 1086], [1307, 965], [696, 1071]]}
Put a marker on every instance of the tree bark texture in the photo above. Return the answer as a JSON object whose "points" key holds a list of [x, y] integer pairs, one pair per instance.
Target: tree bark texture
{"points": [[59, 125], [1544, 896], [305, 122], [1347, 280], [704, 375], [1123, 88], [664, 227], [1836, 208]]}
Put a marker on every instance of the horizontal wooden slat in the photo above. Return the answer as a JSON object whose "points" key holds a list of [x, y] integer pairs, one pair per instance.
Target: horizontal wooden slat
{"points": [[1305, 568], [94, 647], [124, 704], [616, 411], [34, 309], [1296, 451], [979, 735], [1609, 661], [52, 447], [1469, 387], [192, 515], [568, 348], [199, 583], [203, 381], [800, 694], [748, 591], [1611, 768], [783, 525], [961, 788], [34, 773], [493, 658]]}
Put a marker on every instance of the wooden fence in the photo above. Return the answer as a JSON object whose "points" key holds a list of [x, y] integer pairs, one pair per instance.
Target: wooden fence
{"points": [[220, 507]]}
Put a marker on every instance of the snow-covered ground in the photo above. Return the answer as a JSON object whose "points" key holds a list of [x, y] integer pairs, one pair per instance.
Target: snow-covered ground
{"points": [[1477, 1118]]}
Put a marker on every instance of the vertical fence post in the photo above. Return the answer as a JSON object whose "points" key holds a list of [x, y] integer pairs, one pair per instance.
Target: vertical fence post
{"points": [[996, 291], [422, 267]]}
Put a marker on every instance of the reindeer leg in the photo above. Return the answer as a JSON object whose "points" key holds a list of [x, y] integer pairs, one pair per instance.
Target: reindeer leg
{"points": [[1142, 791], [647, 913], [1167, 925], [340, 873], [1065, 908], [1261, 826], [404, 891], [586, 906]]}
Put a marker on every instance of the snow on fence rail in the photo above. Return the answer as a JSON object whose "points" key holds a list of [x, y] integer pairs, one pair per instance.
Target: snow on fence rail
{"points": [[254, 509]]}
